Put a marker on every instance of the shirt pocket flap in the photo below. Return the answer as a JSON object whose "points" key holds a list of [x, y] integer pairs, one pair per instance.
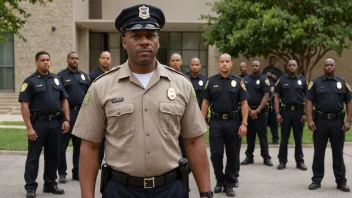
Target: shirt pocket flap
{"points": [[172, 108], [119, 109]]}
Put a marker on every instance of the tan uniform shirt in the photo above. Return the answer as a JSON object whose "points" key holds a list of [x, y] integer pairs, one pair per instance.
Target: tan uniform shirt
{"points": [[141, 126]]}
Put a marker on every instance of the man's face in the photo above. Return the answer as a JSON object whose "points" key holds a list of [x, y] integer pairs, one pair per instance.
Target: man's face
{"points": [[292, 66], [73, 60], [195, 66], [225, 63], [329, 68], [176, 62], [256, 67], [105, 60], [43, 63], [243, 68], [141, 45], [272, 61]]}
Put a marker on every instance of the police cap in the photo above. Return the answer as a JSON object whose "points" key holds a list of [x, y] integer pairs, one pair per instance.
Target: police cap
{"points": [[140, 16]]}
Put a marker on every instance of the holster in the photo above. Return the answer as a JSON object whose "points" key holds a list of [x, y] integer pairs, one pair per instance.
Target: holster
{"points": [[183, 172], [32, 116], [105, 177]]}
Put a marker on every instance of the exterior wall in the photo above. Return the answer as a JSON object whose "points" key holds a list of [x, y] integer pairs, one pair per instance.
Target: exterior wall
{"points": [[177, 11], [39, 35], [83, 49]]}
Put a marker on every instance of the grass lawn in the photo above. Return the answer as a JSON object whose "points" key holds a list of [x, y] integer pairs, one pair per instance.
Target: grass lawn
{"points": [[16, 139], [13, 123]]}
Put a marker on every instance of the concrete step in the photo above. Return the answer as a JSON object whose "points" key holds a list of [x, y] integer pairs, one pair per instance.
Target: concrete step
{"points": [[4, 111]]}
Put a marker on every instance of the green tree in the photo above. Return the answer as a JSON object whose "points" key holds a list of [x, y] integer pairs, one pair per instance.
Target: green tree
{"points": [[13, 17], [303, 30]]}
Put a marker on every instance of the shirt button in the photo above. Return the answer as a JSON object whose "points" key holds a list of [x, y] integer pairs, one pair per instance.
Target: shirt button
{"points": [[146, 109], [118, 113], [148, 152], [148, 134], [148, 169]]}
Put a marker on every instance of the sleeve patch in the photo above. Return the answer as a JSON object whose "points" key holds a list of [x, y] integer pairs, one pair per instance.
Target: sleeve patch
{"points": [[310, 85], [24, 87]]}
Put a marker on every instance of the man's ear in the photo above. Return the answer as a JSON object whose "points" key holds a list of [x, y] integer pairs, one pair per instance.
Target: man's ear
{"points": [[124, 42]]}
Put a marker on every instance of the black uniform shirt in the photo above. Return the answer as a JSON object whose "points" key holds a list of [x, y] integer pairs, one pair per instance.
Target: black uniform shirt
{"points": [[198, 85], [292, 90], [95, 73], [43, 92], [256, 87], [76, 85], [277, 72], [243, 75], [328, 95], [224, 94]]}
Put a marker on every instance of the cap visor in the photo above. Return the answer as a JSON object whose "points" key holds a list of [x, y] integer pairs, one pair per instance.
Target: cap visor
{"points": [[143, 27]]}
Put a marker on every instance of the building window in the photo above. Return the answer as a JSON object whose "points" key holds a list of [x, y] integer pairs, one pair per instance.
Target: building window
{"points": [[187, 44], [7, 63]]}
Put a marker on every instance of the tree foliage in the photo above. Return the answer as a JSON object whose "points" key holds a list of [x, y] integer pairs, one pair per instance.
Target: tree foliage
{"points": [[303, 30], [13, 17]]}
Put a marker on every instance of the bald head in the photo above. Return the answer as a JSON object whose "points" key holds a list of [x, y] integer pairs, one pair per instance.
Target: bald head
{"points": [[256, 67], [329, 67], [176, 61], [195, 66], [225, 64], [105, 60], [329, 61], [243, 68], [292, 68]]}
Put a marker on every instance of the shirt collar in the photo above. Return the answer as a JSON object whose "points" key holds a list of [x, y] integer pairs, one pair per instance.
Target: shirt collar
{"points": [[334, 78], [160, 70], [70, 71]]}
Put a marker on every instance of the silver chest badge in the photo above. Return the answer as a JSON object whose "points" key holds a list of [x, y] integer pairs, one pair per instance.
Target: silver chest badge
{"points": [[233, 83], [56, 81], [200, 83], [171, 93], [258, 82], [83, 77], [339, 85], [299, 82]]}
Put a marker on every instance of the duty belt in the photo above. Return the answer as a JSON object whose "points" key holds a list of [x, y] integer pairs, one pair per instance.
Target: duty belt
{"points": [[291, 107], [57, 116], [224, 116], [146, 183], [330, 116], [256, 107]]}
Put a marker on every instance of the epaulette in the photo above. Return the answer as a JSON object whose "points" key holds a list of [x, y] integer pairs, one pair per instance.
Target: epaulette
{"points": [[172, 69], [108, 72]]}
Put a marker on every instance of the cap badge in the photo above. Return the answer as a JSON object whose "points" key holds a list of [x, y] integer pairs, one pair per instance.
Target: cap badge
{"points": [[144, 12]]}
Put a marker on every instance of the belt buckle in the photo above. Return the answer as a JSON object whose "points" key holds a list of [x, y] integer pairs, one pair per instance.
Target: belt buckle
{"points": [[224, 116], [292, 108], [50, 117], [149, 182], [329, 116], [76, 108]]}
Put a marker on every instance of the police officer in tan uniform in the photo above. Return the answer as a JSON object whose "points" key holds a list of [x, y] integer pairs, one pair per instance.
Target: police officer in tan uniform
{"points": [[141, 108]]}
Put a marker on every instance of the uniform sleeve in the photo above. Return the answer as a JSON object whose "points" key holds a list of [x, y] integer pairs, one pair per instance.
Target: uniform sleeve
{"points": [[206, 92], [192, 122], [243, 92], [63, 93], [266, 85], [278, 87], [311, 91], [91, 121], [305, 88], [348, 95], [26, 91]]}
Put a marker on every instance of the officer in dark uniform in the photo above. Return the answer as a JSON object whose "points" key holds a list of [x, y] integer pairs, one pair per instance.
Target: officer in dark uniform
{"points": [[76, 84], [104, 65], [224, 92], [258, 87], [42, 96], [273, 74], [243, 69], [328, 93], [291, 89], [197, 79]]}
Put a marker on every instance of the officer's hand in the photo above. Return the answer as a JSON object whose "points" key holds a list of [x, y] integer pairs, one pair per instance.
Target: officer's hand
{"points": [[242, 131], [253, 114], [268, 74], [311, 126], [279, 118], [31, 134], [65, 126], [304, 118], [346, 126]]}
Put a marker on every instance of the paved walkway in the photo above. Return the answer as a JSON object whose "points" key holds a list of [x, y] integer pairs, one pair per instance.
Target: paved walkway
{"points": [[256, 181]]}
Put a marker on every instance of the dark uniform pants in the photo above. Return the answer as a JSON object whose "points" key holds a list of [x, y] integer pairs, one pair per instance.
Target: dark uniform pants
{"points": [[224, 134], [49, 135], [273, 125], [257, 126], [174, 189], [291, 119], [76, 141], [329, 129]]}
